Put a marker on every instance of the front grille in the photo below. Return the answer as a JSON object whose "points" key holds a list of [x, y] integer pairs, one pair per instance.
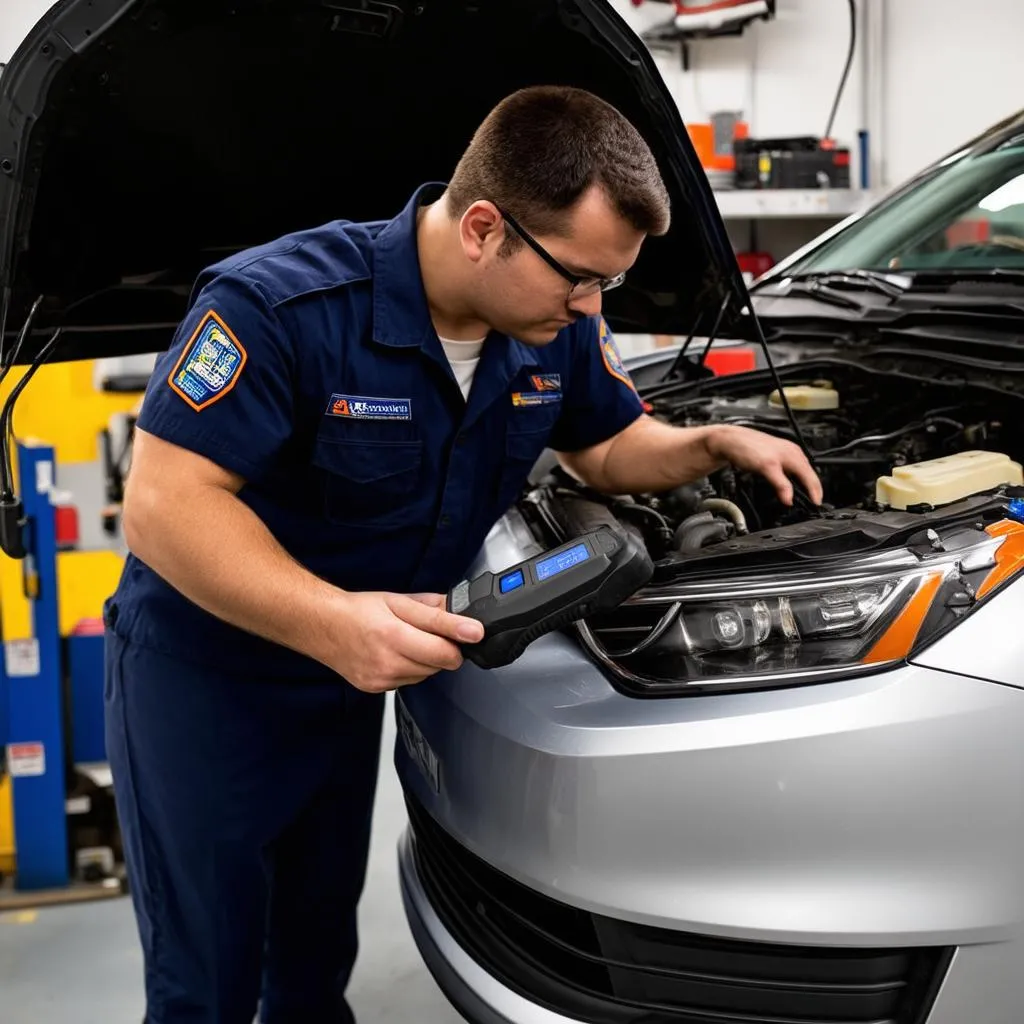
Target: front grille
{"points": [[605, 971]]}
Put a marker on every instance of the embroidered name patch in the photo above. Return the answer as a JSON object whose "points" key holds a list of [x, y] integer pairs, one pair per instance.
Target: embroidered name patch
{"points": [[210, 365], [359, 407], [525, 398], [612, 357]]}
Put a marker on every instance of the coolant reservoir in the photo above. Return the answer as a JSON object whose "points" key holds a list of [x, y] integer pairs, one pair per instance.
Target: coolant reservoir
{"points": [[940, 481], [807, 397]]}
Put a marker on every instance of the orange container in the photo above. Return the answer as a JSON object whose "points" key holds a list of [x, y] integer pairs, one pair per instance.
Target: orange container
{"points": [[713, 142]]}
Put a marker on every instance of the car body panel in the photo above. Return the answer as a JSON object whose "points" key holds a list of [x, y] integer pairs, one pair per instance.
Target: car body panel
{"points": [[480, 997], [982, 646], [782, 816], [981, 985]]}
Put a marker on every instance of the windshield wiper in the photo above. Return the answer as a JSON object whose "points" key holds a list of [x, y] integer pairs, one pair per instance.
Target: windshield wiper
{"points": [[822, 293], [891, 285]]}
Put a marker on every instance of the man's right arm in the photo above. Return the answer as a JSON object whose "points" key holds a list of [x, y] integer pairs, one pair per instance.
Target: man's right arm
{"points": [[182, 517]]}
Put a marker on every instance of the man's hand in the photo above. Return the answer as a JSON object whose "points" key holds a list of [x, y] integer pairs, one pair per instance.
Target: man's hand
{"points": [[770, 456], [384, 641]]}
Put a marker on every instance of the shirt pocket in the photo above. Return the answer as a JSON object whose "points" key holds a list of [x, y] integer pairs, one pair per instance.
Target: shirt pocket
{"points": [[527, 437], [369, 482]]}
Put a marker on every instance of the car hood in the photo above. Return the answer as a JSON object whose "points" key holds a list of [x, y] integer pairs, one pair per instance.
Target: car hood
{"points": [[141, 140]]}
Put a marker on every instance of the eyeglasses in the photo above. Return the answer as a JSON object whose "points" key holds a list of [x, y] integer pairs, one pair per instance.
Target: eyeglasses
{"points": [[580, 285]]}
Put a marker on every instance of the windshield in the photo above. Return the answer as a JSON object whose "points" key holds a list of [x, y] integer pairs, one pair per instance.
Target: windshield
{"points": [[966, 215]]}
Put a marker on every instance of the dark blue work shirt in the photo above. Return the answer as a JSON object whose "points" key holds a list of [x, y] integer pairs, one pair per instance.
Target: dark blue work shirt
{"points": [[310, 367]]}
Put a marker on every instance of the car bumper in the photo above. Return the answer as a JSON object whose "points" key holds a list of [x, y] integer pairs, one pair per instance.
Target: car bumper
{"points": [[879, 814], [477, 995], [977, 983]]}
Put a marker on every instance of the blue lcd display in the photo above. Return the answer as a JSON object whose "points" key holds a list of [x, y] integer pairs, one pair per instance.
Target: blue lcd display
{"points": [[555, 564], [511, 581]]}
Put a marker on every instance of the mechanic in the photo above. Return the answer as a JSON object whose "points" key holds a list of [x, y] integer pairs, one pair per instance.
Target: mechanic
{"points": [[342, 416]]}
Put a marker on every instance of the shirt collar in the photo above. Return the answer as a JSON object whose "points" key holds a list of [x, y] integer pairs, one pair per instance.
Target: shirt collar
{"points": [[401, 316]]}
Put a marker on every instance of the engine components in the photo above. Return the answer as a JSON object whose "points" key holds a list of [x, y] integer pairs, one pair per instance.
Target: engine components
{"points": [[699, 530], [950, 478], [807, 397], [706, 527], [729, 509]]}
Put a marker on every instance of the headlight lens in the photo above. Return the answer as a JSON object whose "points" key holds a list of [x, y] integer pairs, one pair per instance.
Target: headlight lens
{"points": [[736, 625], [774, 632]]}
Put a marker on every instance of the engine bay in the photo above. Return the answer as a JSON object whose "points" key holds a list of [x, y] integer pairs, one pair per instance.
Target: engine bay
{"points": [[923, 517], [861, 425]]}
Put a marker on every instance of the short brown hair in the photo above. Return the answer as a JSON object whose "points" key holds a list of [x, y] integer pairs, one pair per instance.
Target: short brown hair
{"points": [[541, 148]]}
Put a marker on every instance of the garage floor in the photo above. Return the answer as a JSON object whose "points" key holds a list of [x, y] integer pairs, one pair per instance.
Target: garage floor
{"points": [[81, 964]]}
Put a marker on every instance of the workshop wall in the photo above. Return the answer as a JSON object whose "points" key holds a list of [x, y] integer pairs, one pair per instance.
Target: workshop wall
{"points": [[944, 76], [947, 75], [16, 19]]}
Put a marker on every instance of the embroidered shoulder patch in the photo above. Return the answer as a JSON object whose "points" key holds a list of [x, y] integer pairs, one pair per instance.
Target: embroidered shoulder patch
{"points": [[612, 357], [210, 365]]}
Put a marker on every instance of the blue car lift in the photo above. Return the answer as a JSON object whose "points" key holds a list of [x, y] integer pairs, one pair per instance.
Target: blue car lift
{"points": [[31, 688]]}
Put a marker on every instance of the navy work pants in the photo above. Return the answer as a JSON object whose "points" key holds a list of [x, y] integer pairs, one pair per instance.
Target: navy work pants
{"points": [[245, 806]]}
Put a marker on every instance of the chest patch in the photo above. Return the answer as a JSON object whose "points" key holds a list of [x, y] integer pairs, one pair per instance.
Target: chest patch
{"points": [[546, 389], [521, 399], [546, 382], [211, 364], [362, 407]]}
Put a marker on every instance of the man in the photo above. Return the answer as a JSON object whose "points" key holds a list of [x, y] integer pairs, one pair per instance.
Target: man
{"points": [[342, 416]]}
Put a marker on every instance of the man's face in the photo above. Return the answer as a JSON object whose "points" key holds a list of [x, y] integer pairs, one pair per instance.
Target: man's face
{"points": [[524, 296]]}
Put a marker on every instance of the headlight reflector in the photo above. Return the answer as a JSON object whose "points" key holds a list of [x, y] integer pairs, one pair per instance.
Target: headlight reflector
{"points": [[736, 625]]}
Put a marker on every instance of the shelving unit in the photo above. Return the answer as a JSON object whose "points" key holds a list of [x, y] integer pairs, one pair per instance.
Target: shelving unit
{"points": [[779, 204]]}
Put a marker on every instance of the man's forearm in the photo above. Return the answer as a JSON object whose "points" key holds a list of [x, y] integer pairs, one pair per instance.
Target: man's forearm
{"points": [[236, 571], [653, 456]]}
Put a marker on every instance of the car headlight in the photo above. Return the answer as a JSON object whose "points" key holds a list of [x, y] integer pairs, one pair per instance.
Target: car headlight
{"points": [[750, 631]]}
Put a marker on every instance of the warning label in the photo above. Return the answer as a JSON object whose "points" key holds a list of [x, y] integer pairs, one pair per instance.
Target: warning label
{"points": [[21, 658], [26, 759]]}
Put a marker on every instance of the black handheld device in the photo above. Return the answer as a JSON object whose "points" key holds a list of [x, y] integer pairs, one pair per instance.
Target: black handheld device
{"points": [[591, 573]]}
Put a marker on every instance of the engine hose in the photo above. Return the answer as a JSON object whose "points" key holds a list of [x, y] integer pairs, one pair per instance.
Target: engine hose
{"points": [[582, 516], [704, 525], [701, 534], [659, 522], [729, 509]]}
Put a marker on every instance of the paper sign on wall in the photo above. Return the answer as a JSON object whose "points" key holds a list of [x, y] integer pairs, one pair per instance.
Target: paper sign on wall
{"points": [[26, 759], [21, 657]]}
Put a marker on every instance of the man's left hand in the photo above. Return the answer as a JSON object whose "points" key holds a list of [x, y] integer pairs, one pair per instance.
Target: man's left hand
{"points": [[774, 458]]}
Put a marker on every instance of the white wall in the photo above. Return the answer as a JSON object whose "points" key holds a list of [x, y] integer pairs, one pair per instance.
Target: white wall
{"points": [[952, 69], [16, 19], [949, 69]]}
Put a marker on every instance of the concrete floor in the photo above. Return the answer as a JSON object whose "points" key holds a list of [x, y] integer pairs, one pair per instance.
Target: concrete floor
{"points": [[82, 965]]}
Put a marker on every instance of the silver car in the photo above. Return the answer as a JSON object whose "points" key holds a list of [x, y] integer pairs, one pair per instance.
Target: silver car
{"points": [[782, 783]]}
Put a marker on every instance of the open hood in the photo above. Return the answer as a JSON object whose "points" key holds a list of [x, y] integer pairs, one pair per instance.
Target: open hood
{"points": [[141, 140]]}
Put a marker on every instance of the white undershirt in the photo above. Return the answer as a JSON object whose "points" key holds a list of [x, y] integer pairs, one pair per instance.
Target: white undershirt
{"points": [[463, 357]]}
